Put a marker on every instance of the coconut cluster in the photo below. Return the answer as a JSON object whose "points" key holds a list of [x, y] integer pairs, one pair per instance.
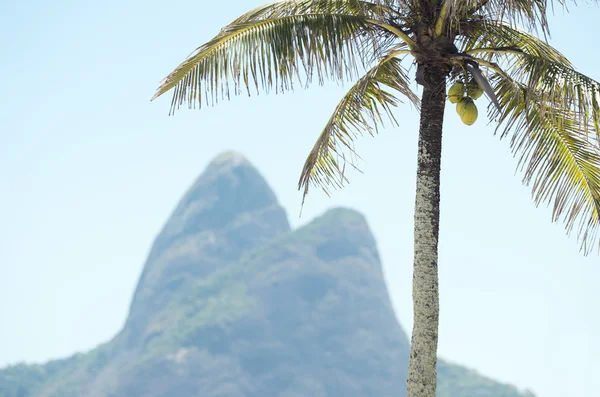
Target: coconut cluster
{"points": [[463, 95]]}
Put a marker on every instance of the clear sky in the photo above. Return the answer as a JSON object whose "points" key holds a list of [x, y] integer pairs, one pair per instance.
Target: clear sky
{"points": [[90, 170]]}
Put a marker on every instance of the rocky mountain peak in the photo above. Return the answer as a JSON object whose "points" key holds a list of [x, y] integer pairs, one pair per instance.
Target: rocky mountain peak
{"points": [[227, 211]]}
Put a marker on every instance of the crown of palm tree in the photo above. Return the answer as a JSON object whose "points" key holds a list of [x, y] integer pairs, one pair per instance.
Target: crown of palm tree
{"points": [[549, 109]]}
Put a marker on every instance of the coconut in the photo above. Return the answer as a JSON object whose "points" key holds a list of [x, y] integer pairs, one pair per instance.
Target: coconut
{"points": [[456, 92], [467, 110], [461, 105], [473, 89]]}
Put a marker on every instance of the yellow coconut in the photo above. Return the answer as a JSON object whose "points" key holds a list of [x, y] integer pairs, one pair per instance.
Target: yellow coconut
{"points": [[461, 105], [456, 92], [467, 111], [473, 89]]}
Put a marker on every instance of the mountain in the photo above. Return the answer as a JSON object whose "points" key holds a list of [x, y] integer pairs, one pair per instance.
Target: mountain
{"points": [[232, 303]]}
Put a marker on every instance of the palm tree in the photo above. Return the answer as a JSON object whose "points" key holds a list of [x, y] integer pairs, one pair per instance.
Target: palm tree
{"points": [[550, 110]]}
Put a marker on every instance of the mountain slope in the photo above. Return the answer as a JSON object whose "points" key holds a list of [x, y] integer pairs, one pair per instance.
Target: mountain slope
{"points": [[233, 303]]}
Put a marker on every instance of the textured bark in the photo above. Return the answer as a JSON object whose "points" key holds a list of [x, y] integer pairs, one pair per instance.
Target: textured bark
{"points": [[423, 350]]}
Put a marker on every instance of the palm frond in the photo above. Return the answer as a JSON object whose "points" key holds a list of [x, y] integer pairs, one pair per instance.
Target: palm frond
{"points": [[483, 34], [360, 110], [379, 13], [559, 161], [483, 82], [531, 14], [270, 53], [533, 62], [561, 88], [278, 9]]}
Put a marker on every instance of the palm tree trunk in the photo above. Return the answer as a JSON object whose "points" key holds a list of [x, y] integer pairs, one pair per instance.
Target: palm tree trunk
{"points": [[423, 350]]}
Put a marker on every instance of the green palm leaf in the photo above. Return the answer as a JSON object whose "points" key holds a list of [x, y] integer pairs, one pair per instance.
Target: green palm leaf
{"points": [[377, 13], [561, 88], [360, 110], [270, 53], [302, 7], [485, 36], [531, 61], [530, 13], [558, 159]]}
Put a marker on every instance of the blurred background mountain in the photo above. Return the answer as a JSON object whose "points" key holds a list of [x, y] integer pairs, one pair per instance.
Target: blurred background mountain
{"points": [[232, 302]]}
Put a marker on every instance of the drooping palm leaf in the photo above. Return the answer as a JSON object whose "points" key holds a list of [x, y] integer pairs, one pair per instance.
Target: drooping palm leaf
{"points": [[535, 63], [558, 159], [270, 53], [561, 89], [360, 110]]}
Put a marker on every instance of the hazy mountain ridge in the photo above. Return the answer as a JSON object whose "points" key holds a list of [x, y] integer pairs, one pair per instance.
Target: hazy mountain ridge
{"points": [[231, 302]]}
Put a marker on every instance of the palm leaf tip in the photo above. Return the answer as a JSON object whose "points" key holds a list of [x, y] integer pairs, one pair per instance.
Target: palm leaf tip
{"points": [[362, 109], [560, 163]]}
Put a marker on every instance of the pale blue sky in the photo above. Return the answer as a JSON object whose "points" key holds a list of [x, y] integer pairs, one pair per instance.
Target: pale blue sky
{"points": [[90, 170]]}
